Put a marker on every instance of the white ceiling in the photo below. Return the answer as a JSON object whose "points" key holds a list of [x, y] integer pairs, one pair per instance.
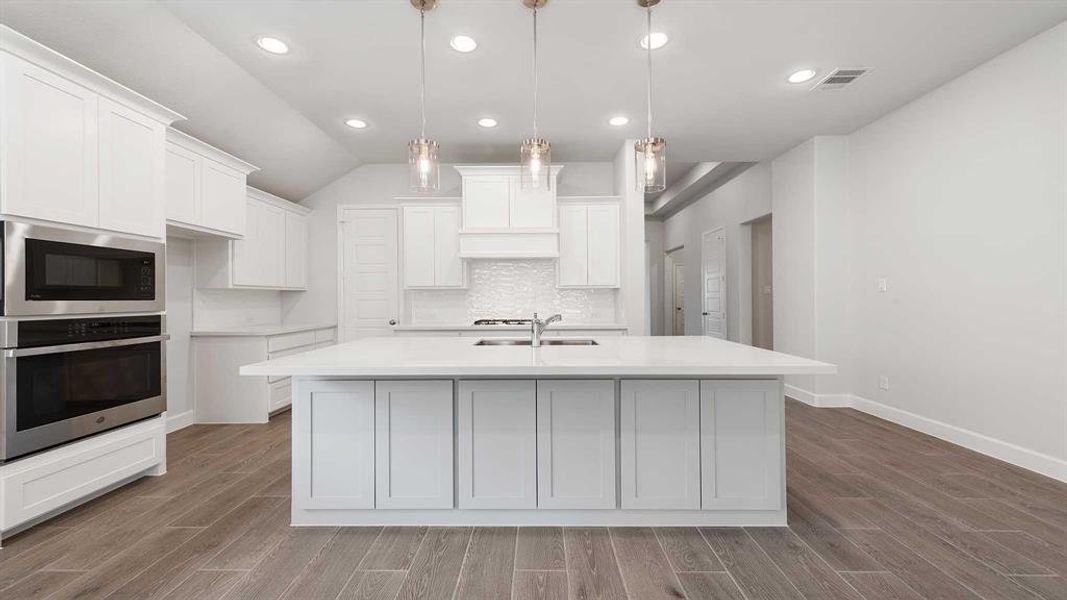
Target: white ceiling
{"points": [[721, 93]]}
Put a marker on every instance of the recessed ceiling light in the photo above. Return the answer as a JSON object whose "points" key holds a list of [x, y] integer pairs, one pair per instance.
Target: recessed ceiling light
{"points": [[273, 45], [487, 122], [463, 43], [659, 40], [802, 75], [619, 121], [356, 123]]}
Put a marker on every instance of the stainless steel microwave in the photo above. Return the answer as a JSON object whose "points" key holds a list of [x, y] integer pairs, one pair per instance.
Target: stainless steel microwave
{"points": [[53, 271]]}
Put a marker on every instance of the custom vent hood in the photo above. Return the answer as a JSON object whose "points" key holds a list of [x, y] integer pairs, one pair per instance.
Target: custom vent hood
{"points": [[502, 220]]}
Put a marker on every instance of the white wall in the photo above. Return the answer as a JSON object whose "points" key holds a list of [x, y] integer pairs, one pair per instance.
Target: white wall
{"points": [[632, 305], [380, 185], [742, 199], [179, 324], [958, 200]]}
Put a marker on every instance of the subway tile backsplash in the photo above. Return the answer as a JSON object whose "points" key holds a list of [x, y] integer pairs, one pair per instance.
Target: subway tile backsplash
{"points": [[510, 288]]}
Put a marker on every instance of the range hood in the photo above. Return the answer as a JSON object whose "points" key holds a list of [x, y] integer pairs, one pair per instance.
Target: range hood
{"points": [[501, 220]]}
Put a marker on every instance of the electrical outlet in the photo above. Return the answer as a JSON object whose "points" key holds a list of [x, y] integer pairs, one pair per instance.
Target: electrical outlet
{"points": [[883, 284], [883, 383]]}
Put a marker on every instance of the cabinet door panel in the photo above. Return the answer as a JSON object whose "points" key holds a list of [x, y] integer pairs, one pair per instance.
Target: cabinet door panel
{"points": [[273, 246], [575, 444], [485, 201], [660, 441], [573, 245], [497, 444], [334, 462], [448, 266], [296, 250], [222, 198], [131, 170], [247, 252], [418, 246], [413, 435], [741, 444], [48, 135], [183, 171], [603, 248], [531, 208]]}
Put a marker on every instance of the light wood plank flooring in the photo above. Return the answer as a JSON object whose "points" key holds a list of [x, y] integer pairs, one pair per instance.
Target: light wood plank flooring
{"points": [[875, 511]]}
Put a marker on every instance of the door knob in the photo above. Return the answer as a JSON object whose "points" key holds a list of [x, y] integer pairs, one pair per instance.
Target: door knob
{"points": [[704, 314], [392, 321]]}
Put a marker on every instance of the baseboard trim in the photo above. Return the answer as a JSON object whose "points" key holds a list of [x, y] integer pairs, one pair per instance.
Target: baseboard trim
{"points": [[818, 400], [1050, 466], [180, 421]]}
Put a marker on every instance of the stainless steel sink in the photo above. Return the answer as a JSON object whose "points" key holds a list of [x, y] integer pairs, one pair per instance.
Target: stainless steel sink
{"points": [[552, 342]]}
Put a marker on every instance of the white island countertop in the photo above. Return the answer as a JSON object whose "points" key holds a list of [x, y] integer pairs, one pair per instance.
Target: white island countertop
{"points": [[614, 355], [518, 329]]}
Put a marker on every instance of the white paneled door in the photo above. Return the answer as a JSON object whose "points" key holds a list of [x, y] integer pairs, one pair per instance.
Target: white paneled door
{"points": [[369, 285], [713, 276]]}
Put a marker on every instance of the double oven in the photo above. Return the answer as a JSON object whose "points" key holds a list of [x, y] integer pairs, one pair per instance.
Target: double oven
{"points": [[82, 335]]}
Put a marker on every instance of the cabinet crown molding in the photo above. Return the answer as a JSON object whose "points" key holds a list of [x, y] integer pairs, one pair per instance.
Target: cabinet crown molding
{"points": [[278, 201], [19, 45], [205, 149], [466, 170]]}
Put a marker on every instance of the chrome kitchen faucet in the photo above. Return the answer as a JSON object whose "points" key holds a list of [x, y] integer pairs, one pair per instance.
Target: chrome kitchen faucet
{"points": [[537, 327]]}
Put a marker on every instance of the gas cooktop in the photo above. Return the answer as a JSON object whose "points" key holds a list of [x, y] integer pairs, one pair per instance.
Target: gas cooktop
{"points": [[502, 322]]}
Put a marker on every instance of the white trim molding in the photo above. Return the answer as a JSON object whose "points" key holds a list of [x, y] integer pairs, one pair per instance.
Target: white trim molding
{"points": [[180, 420], [1038, 462]]}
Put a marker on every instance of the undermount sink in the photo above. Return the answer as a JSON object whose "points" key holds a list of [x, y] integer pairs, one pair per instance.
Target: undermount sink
{"points": [[552, 342]]}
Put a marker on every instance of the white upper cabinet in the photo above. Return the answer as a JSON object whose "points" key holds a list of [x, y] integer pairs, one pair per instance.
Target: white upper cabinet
{"points": [[431, 247], [272, 254], [589, 244], [296, 250], [78, 148], [49, 134], [501, 220], [131, 170], [205, 189]]}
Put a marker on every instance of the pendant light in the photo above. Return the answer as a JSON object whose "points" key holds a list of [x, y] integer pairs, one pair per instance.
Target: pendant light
{"points": [[422, 152], [536, 153], [651, 155]]}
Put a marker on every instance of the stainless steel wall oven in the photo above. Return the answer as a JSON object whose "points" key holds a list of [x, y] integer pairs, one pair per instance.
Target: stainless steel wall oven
{"points": [[63, 379]]}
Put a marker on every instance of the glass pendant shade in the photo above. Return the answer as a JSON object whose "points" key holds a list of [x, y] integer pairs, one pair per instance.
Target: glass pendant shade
{"points": [[651, 167], [425, 170], [535, 165]]}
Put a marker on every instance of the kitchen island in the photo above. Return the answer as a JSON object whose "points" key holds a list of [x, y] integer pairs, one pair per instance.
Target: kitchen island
{"points": [[629, 431]]}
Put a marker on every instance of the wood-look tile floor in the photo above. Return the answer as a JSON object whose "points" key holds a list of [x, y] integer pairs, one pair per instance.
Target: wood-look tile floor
{"points": [[875, 511]]}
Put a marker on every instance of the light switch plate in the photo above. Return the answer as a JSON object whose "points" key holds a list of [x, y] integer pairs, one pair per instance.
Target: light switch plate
{"points": [[883, 284], [883, 383]]}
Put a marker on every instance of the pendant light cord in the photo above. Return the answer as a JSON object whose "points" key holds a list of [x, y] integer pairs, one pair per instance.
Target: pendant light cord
{"points": [[422, 57], [535, 72], [648, 44]]}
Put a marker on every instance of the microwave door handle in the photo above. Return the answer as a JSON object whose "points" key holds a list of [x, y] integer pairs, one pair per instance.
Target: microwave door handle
{"points": [[60, 348]]}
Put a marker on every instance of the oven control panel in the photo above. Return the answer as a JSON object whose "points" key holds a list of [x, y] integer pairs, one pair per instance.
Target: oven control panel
{"points": [[72, 331]]}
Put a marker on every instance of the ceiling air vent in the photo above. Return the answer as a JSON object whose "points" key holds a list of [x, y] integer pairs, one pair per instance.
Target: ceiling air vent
{"points": [[839, 78]]}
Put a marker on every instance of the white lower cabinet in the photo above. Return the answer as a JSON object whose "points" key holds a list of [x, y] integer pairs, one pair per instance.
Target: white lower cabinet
{"points": [[576, 444], [413, 439], [334, 468], [497, 444], [741, 444], [660, 444]]}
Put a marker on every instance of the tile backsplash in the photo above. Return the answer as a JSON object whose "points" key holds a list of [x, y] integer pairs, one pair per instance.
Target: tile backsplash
{"points": [[511, 288]]}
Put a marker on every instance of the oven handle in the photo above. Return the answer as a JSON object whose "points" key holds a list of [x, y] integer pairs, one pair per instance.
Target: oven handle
{"points": [[60, 348]]}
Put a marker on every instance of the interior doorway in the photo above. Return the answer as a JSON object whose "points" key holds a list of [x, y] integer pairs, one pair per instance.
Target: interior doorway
{"points": [[368, 286], [713, 276], [674, 292], [762, 288]]}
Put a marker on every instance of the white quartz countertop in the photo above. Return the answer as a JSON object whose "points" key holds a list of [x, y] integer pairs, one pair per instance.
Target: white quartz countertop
{"points": [[516, 328], [260, 330], [614, 356]]}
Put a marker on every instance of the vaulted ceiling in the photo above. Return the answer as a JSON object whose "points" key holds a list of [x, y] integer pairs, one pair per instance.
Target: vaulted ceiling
{"points": [[721, 93]]}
